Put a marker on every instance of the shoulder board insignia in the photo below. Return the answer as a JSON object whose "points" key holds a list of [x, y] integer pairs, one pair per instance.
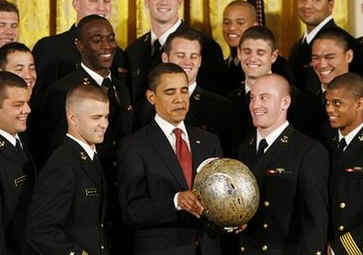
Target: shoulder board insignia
{"points": [[251, 141], [2, 144], [129, 108], [85, 81], [360, 138]]}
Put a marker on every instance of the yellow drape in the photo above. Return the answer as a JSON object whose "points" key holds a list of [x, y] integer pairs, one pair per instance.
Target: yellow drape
{"points": [[130, 19], [32, 27]]}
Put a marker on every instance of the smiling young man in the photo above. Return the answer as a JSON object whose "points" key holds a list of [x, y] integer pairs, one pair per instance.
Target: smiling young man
{"points": [[238, 16], [17, 172], [9, 23], [57, 55], [156, 169], [344, 105], [292, 172], [67, 211], [145, 52], [17, 58]]}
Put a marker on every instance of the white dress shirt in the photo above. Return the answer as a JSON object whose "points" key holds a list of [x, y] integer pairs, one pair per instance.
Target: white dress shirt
{"points": [[90, 152], [270, 139]]}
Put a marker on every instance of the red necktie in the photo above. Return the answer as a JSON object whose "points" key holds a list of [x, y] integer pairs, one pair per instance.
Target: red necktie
{"points": [[184, 157]]}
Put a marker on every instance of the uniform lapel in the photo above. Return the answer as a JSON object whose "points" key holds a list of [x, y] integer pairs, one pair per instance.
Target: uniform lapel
{"points": [[87, 165], [166, 152]]}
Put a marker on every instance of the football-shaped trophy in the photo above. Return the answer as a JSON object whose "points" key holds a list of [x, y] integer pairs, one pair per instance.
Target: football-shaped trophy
{"points": [[228, 192]]}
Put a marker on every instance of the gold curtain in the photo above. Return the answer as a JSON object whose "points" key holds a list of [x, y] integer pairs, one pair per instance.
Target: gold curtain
{"points": [[130, 19], [32, 27]]}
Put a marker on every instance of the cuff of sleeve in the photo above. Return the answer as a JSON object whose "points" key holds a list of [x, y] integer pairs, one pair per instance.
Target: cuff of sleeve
{"points": [[177, 207], [346, 245]]}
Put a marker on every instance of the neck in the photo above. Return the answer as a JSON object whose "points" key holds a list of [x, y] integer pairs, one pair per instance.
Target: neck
{"points": [[160, 28], [345, 131], [79, 137], [250, 81], [265, 131]]}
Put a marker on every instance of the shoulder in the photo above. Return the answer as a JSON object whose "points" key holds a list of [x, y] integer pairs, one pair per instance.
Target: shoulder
{"points": [[138, 43], [52, 42], [303, 142]]}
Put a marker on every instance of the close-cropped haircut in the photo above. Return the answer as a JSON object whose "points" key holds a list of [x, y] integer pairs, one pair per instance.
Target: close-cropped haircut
{"points": [[188, 34], [251, 8], [161, 69], [349, 81], [338, 35], [84, 90], [259, 33], [84, 21], [6, 6], [9, 80], [11, 48]]}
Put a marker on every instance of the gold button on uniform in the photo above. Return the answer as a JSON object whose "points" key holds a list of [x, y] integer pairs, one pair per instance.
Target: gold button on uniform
{"points": [[341, 228], [264, 248], [342, 205], [242, 249], [318, 253], [265, 226], [102, 247], [266, 203]]}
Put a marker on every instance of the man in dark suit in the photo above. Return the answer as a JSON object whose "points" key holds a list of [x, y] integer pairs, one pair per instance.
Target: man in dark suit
{"points": [[96, 44], [207, 110], [67, 211], [292, 173], [333, 54], [145, 52], [157, 166], [317, 16], [238, 16], [344, 105], [56, 56], [257, 53], [17, 172]]}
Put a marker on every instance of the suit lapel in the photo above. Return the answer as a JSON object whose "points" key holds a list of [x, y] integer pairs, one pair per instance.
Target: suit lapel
{"points": [[166, 152], [196, 149]]}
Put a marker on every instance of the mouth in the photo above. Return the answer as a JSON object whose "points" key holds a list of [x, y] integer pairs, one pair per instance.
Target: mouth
{"points": [[259, 112], [233, 36], [187, 69], [106, 56], [325, 73], [22, 118], [163, 10]]}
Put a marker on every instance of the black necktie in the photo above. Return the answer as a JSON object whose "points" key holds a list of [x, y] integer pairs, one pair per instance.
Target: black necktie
{"points": [[112, 95], [261, 148], [18, 146], [156, 50], [341, 145]]}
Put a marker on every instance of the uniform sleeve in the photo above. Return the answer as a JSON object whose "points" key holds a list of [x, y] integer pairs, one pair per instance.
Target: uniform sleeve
{"points": [[350, 243], [139, 208], [49, 210], [313, 182]]}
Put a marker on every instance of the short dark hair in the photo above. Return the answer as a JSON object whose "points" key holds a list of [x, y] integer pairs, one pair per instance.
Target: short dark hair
{"points": [[11, 48], [338, 35], [259, 32], [350, 81], [163, 68], [246, 4], [84, 21], [9, 80], [189, 35], [6, 6]]}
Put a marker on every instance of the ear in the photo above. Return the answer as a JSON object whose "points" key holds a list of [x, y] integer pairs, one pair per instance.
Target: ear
{"points": [[150, 96], [78, 44], [274, 55], [349, 55], [164, 57], [360, 104], [331, 5], [75, 4], [285, 103]]}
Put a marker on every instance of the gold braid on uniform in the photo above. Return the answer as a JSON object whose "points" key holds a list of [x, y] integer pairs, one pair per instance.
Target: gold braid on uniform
{"points": [[349, 244]]}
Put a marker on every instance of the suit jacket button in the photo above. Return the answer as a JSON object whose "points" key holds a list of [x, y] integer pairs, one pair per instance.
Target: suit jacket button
{"points": [[266, 203], [265, 226], [243, 249], [102, 247], [264, 248], [341, 228], [342, 205]]}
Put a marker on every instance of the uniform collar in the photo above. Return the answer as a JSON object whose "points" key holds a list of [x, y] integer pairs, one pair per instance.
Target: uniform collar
{"points": [[97, 77]]}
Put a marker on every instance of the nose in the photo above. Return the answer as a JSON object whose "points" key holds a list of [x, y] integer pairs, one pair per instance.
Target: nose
{"points": [[104, 123], [26, 108], [328, 107]]}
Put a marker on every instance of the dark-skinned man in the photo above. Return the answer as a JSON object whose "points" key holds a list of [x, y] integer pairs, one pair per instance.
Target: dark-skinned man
{"points": [[97, 47]]}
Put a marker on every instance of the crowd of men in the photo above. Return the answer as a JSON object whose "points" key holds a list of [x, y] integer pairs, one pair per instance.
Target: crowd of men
{"points": [[99, 145]]}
